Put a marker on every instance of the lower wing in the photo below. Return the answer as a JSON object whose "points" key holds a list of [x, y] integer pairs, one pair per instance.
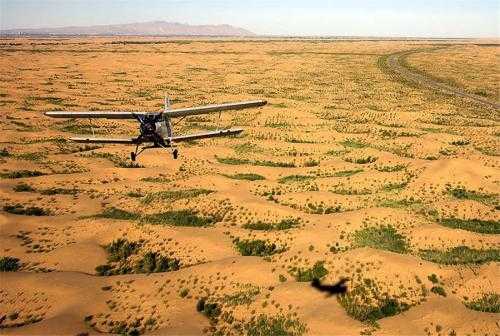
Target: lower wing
{"points": [[179, 138]]}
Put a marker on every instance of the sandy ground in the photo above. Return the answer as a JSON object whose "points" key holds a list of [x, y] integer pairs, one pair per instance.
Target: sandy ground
{"points": [[351, 171]]}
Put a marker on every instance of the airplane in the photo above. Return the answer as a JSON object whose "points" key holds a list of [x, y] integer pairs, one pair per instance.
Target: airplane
{"points": [[155, 128], [339, 288]]}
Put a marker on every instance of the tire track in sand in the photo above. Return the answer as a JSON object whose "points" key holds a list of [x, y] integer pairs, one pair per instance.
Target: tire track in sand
{"points": [[396, 64]]}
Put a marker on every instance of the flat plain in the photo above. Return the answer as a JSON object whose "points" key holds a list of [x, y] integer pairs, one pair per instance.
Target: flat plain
{"points": [[353, 170]]}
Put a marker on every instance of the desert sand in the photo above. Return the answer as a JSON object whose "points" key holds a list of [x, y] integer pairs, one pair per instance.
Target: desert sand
{"points": [[353, 170]]}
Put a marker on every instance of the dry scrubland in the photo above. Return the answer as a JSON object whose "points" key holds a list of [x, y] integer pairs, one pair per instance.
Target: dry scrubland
{"points": [[349, 171]]}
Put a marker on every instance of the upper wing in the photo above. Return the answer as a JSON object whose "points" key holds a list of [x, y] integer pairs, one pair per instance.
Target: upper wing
{"points": [[94, 114], [206, 135], [173, 113], [182, 112]]}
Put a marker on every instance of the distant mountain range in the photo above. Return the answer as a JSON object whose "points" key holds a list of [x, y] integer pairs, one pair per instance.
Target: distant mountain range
{"points": [[154, 28]]}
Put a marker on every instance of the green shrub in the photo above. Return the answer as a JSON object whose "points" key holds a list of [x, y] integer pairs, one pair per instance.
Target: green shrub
{"points": [[461, 255], [22, 187], [433, 278], [115, 213], [384, 238], [474, 225], [367, 303], [284, 224], [210, 310], [318, 271], [121, 249], [295, 178], [280, 325], [21, 174], [18, 209], [153, 262], [352, 143], [59, 191], [245, 296], [174, 195], [178, 218], [9, 264], [488, 303], [246, 176], [347, 173], [438, 290], [256, 247], [184, 292]]}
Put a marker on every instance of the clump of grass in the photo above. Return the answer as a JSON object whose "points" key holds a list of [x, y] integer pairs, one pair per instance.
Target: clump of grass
{"points": [[153, 262], [438, 290], [232, 161], [238, 161], [246, 176], [135, 194], [362, 160], [21, 174], [4, 152], [353, 143], [256, 247], [210, 309], [318, 271], [488, 303], [174, 195], [9, 264], [367, 303], [156, 179], [460, 142], [119, 261], [274, 325], [461, 192], [178, 218], [474, 225], [245, 296], [384, 238], [311, 163], [23, 187], [121, 249], [284, 224], [295, 178], [390, 169], [115, 213], [347, 173], [460, 255], [18, 209], [59, 191]]}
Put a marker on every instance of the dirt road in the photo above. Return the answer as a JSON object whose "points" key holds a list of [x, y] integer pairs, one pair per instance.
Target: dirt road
{"points": [[395, 63]]}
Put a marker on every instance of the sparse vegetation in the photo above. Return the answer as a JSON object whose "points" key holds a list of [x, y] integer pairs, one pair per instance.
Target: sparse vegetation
{"points": [[460, 255], [487, 303], [274, 325], [18, 209], [178, 218], [474, 225], [366, 302], [318, 271], [260, 248], [9, 264], [284, 224], [384, 238], [21, 174], [246, 176], [174, 195]]}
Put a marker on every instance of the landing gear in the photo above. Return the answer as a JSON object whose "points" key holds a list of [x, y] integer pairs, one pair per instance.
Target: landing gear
{"points": [[133, 156], [175, 153]]}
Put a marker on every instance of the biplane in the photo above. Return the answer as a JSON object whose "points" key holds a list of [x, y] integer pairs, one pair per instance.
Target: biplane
{"points": [[155, 128]]}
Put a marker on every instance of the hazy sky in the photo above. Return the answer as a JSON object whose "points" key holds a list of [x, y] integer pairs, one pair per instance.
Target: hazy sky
{"points": [[446, 18]]}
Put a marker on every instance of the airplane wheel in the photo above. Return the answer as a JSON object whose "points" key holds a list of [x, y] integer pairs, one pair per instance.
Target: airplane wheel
{"points": [[132, 156], [175, 153]]}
